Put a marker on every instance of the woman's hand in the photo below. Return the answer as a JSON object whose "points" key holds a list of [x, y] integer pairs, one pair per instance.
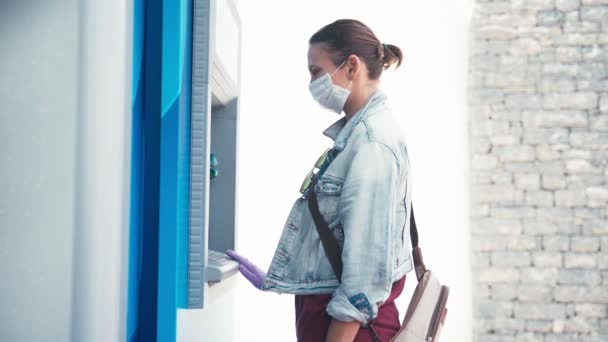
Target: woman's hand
{"points": [[250, 271]]}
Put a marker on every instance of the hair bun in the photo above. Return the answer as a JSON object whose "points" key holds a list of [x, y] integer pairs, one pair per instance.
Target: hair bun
{"points": [[382, 52], [391, 55]]}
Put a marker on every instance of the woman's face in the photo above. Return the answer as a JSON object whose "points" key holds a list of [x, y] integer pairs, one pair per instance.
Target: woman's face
{"points": [[319, 63]]}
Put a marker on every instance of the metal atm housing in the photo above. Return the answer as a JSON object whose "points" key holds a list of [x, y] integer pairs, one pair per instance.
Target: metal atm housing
{"points": [[216, 54]]}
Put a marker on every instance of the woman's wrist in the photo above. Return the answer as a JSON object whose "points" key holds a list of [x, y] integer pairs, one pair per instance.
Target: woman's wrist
{"points": [[340, 331]]}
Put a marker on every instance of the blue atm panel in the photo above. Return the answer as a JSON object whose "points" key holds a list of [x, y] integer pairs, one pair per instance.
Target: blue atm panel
{"points": [[160, 178]]}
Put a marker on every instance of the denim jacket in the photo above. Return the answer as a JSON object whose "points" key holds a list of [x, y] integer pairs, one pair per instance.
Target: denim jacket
{"points": [[365, 197]]}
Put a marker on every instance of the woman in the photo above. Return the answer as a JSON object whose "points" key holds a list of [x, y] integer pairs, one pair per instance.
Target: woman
{"points": [[361, 186]]}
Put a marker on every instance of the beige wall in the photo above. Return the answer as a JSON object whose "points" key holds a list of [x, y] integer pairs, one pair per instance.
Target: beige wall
{"points": [[539, 154]]}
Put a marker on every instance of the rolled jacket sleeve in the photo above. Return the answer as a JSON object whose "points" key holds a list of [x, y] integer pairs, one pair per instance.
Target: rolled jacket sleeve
{"points": [[367, 214]]}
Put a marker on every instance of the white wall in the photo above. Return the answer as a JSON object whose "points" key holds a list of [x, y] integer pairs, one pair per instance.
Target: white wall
{"points": [[281, 137], [65, 83], [215, 322], [38, 106], [103, 159]]}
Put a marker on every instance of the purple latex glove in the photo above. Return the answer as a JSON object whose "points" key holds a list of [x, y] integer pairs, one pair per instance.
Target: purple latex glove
{"points": [[250, 271]]}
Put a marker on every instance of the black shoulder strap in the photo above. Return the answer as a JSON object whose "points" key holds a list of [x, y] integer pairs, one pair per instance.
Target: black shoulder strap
{"points": [[419, 266], [332, 249], [413, 228], [330, 244]]}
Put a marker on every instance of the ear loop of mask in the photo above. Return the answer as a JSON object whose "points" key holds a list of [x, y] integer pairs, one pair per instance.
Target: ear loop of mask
{"points": [[351, 81]]}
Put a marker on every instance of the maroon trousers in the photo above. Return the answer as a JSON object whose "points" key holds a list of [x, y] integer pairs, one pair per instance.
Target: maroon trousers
{"points": [[312, 321]]}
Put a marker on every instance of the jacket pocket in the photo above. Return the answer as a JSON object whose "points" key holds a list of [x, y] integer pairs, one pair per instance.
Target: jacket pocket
{"points": [[328, 191], [285, 251]]}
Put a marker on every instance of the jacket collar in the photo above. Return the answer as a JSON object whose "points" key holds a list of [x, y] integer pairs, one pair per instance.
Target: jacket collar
{"points": [[340, 130]]}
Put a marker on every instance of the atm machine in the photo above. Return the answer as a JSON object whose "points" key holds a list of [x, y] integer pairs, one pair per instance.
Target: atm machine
{"points": [[214, 131], [186, 84]]}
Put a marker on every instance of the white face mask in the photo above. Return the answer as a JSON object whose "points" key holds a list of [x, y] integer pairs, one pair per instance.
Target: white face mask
{"points": [[329, 95]]}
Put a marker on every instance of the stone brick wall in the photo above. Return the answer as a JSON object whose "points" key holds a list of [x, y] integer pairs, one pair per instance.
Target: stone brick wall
{"points": [[538, 96]]}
